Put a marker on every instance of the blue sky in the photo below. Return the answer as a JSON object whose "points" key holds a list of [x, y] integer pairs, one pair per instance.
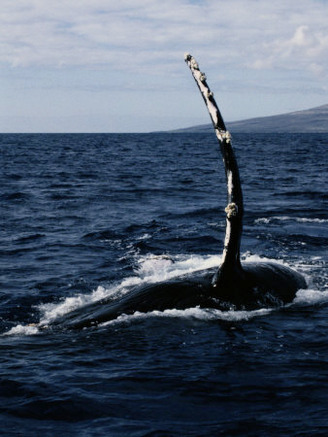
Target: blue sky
{"points": [[118, 66]]}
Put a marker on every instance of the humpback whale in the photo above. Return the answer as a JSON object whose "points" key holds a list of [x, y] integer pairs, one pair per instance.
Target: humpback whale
{"points": [[234, 285]]}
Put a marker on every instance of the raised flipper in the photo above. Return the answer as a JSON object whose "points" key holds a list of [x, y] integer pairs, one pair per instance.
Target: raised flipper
{"points": [[233, 282], [235, 208]]}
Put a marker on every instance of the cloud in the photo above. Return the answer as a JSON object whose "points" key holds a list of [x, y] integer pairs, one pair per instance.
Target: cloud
{"points": [[142, 34], [306, 49], [257, 53]]}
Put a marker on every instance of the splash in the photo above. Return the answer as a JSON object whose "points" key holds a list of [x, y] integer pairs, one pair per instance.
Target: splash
{"points": [[51, 311], [162, 268], [22, 330], [310, 297], [149, 269]]}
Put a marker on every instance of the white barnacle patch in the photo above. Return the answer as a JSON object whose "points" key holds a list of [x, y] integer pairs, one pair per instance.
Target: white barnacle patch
{"points": [[219, 134], [229, 183], [226, 241], [227, 136], [231, 210], [192, 61], [194, 64], [208, 96]]}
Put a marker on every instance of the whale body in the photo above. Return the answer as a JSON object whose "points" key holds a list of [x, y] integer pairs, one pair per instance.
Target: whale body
{"points": [[233, 285], [260, 285]]}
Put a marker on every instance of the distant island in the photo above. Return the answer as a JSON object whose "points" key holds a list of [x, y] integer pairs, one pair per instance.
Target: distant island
{"points": [[307, 121]]}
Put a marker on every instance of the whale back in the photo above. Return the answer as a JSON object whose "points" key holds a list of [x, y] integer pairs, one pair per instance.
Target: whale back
{"points": [[258, 284]]}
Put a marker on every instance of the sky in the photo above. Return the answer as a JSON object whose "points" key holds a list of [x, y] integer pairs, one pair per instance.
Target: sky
{"points": [[118, 65]]}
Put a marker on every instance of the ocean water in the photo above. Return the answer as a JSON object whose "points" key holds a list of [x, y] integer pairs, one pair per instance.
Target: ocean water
{"points": [[86, 215]]}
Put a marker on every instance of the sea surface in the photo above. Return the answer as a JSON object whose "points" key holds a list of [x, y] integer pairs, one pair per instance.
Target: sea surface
{"points": [[86, 215]]}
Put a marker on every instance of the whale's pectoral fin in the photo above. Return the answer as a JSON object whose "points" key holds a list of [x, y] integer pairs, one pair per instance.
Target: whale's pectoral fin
{"points": [[232, 280], [207, 94], [235, 207]]}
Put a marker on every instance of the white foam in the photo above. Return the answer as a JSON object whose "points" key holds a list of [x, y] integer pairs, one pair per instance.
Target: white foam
{"points": [[52, 311], [252, 258], [266, 220], [162, 268], [194, 314], [310, 296], [22, 330]]}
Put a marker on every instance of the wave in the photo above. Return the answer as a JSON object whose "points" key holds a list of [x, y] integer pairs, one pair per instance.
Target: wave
{"points": [[267, 220], [19, 196], [303, 194]]}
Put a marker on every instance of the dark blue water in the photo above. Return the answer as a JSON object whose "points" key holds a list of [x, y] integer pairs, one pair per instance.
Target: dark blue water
{"points": [[85, 215]]}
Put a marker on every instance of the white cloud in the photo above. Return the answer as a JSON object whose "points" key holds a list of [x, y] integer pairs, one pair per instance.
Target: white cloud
{"points": [[258, 47], [306, 49], [129, 33]]}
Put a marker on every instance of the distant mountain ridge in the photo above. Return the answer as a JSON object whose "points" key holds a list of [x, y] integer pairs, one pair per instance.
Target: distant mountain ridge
{"points": [[307, 121]]}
